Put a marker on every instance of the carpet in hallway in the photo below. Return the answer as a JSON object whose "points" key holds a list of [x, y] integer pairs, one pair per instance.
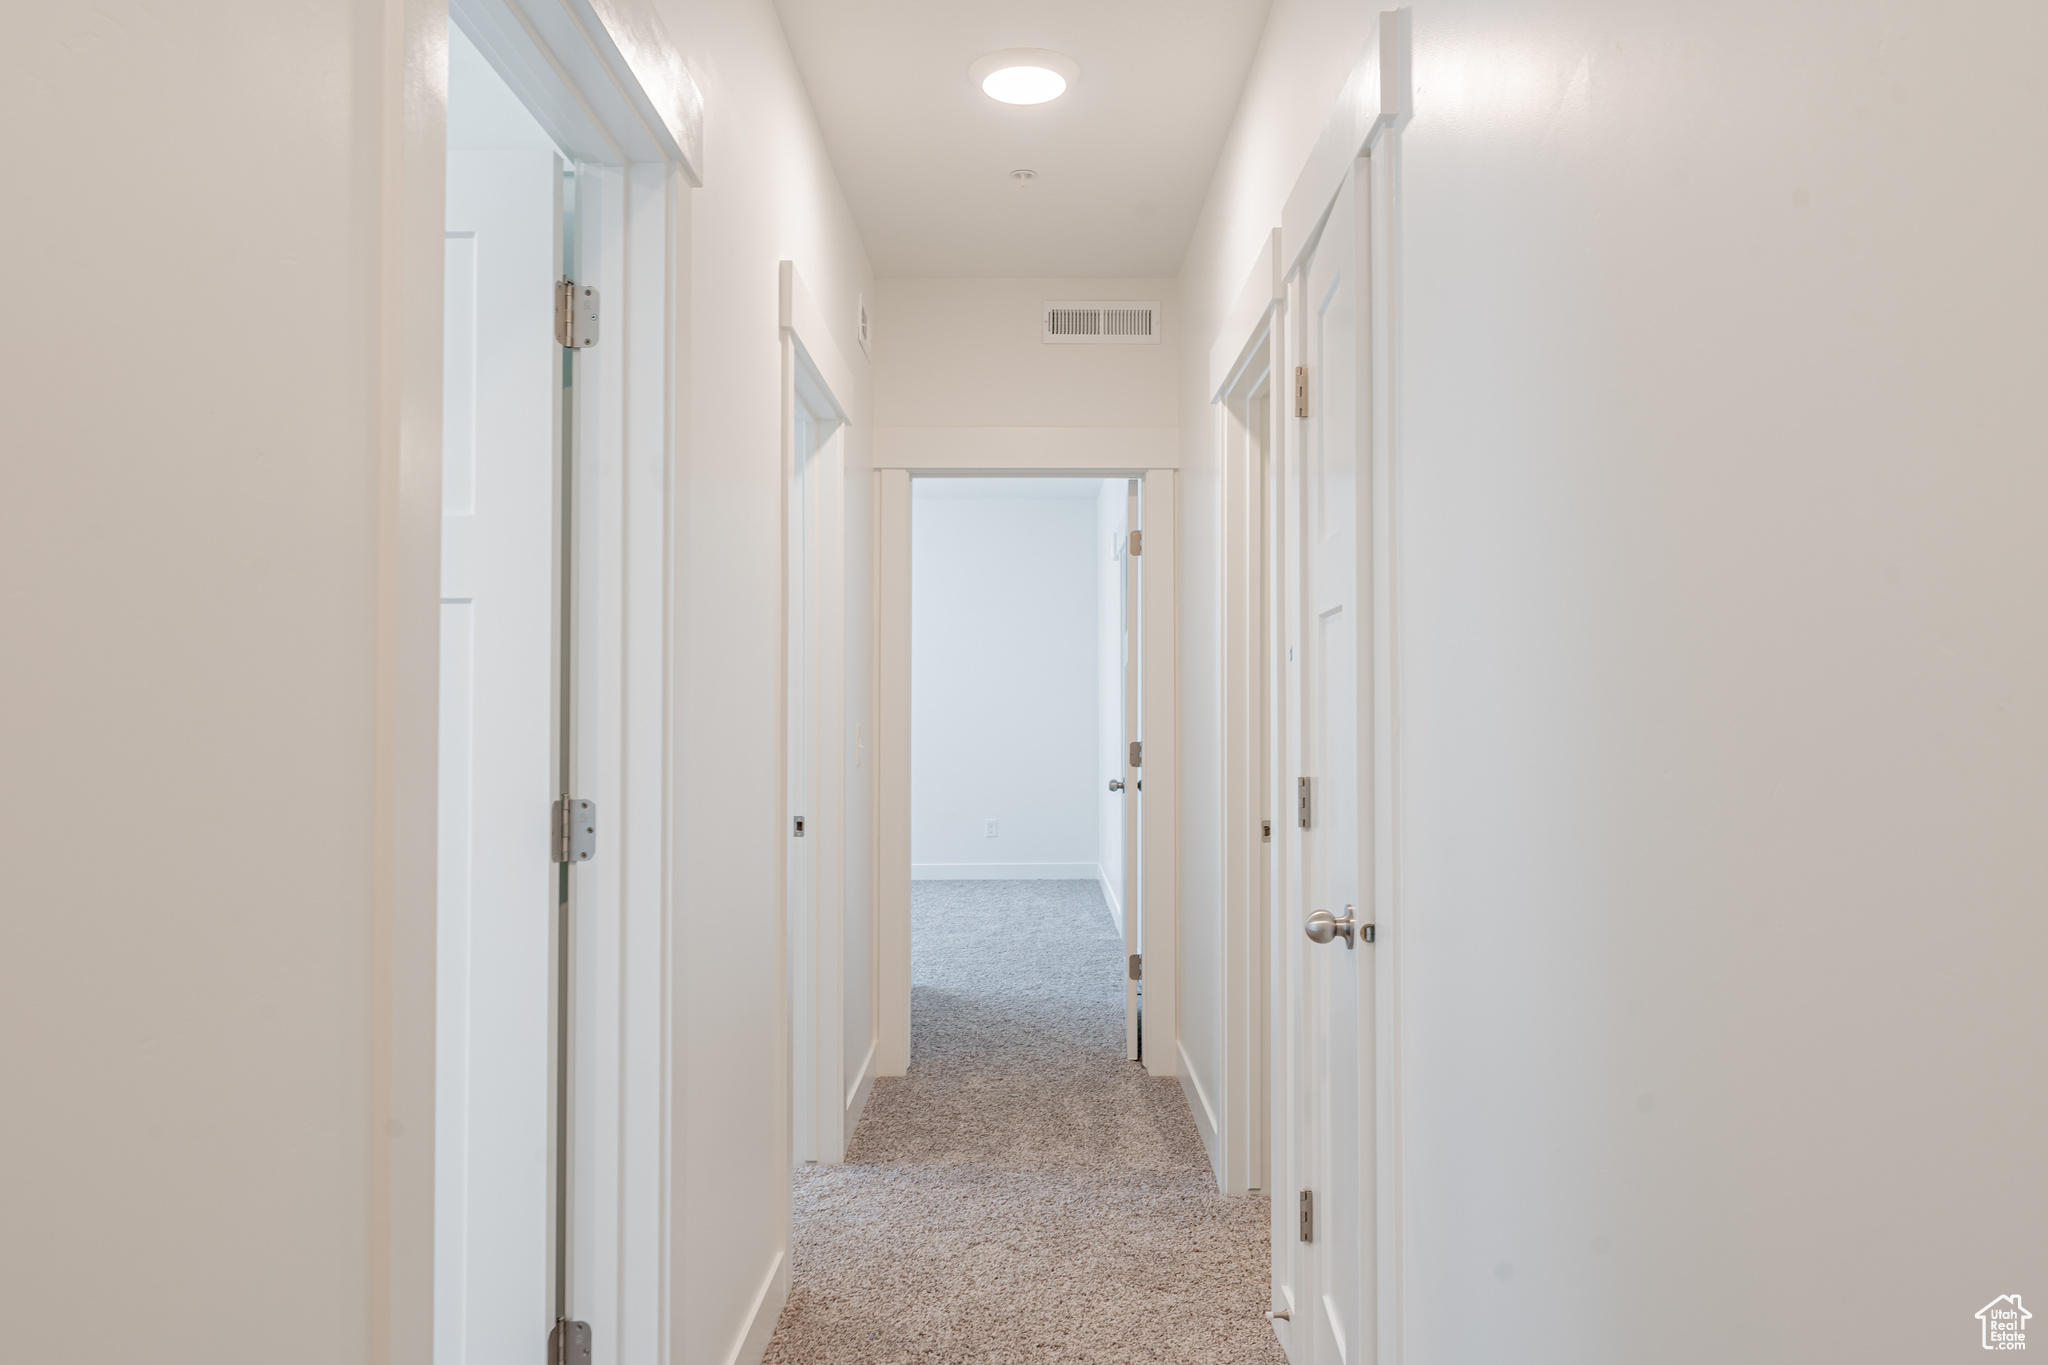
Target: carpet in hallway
{"points": [[1024, 1194]]}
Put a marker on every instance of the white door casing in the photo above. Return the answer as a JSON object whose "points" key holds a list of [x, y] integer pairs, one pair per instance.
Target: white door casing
{"points": [[1150, 860], [825, 1102], [1331, 716], [1132, 568], [499, 746]]}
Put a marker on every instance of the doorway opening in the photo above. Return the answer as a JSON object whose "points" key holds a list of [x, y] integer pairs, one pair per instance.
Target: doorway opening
{"points": [[1024, 785], [551, 1127]]}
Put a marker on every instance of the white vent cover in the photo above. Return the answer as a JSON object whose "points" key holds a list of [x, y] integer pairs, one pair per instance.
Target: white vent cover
{"points": [[860, 322], [1101, 322]]}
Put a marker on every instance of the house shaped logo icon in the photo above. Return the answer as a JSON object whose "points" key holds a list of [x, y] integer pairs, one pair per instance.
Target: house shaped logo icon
{"points": [[2005, 1323]]}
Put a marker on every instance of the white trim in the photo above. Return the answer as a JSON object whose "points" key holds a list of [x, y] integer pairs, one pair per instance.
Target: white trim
{"points": [[1375, 104], [892, 770], [752, 1342], [1159, 810], [603, 79], [408, 64], [990, 872], [1377, 95], [816, 380], [1112, 897], [863, 1083], [1035, 450], [1265, 289], [1198, 1104], [1159, 665]]}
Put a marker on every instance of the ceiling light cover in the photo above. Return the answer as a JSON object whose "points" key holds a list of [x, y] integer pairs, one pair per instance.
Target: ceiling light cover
{"points": [[1024, 75]]}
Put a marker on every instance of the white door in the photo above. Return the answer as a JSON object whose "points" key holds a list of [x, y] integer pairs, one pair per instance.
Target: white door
{"points": [[502, 396], [1132, 988], [1331, 706]]}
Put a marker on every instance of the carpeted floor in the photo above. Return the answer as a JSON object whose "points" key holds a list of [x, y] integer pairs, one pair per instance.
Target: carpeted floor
{"points": [[1024, 1194]]}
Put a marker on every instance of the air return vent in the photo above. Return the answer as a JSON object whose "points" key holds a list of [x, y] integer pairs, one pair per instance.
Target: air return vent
{"points": [[1101, 322]]}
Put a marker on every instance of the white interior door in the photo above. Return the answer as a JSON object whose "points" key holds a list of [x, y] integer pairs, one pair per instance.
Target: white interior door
{"points": [[1330, 634], [494, 1295], [1132, 919]]}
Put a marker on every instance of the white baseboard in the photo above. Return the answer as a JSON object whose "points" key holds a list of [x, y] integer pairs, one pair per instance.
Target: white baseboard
{"points": [[1114, 897], [753, 1342], [1204, 1112], [857, 1098], [1004, 872]]}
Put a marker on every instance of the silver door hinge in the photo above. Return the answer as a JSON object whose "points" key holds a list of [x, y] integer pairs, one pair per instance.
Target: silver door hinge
{"points": [[1137, 753], [1137, 542], [1301, 809], [799, 827], [1301, 390], [569, 1343], [575, 315], [1137, 966], [1308, 1216], [575, 830], [1266, 830]]}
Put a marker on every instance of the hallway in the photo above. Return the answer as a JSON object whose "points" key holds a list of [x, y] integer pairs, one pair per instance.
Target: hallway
{"points": [[1024, 1193]]}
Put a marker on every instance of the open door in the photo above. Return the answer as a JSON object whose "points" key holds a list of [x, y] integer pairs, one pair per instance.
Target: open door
{"points": [[1329, 636], [501, 742], [1133, 946]]}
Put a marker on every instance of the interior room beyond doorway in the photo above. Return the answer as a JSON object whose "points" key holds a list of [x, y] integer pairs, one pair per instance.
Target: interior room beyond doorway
{"points": [[1017, 680]]}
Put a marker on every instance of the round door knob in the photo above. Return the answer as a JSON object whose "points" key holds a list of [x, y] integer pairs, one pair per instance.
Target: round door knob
{"points": [[1116, 784], [1323, 926]]}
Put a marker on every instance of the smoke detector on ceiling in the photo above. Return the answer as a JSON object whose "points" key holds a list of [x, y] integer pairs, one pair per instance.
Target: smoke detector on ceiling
{"points": [[1100, 322], [1023, 177]]}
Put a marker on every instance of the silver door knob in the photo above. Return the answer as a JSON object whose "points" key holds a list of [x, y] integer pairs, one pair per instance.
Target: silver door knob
{"points": [[1323, 926], [1116, 784]]}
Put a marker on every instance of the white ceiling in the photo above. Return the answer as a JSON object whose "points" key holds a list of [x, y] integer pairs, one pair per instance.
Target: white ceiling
{"points": [[1123, 158]]}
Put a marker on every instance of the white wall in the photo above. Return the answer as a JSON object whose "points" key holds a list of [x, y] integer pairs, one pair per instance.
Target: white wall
{"points": [[969, 353], [769, 195], [1112, 513], [1721, 583], [222, 932], [1004, 678]]}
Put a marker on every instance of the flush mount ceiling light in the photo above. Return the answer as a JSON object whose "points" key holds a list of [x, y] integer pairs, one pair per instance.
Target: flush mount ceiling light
{"points": [[1024, 75]]}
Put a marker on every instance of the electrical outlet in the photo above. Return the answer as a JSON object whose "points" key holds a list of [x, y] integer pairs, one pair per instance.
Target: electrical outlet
{"points": [[991, 830]]}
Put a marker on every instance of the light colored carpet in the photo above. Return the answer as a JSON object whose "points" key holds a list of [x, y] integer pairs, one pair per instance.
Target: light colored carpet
{"points": [[1024, 1194]]}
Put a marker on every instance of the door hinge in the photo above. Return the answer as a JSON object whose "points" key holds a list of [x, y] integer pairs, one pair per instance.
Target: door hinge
{"points": [[569, 1343], [575, 315], [575, 830], [1308, 1216], [1137, 542], [1301, 810], [1266, 830], [1137, 753], [799, 831], [1301, 390], [1137, 966]]}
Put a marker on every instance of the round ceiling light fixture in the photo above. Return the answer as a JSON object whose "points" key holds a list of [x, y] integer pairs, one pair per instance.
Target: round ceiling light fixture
{"points": [[1024, 75]]}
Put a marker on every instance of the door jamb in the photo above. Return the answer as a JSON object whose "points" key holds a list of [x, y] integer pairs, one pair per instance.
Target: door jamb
{"points": [[1374, 107], [1158, 839], [613, 91]]}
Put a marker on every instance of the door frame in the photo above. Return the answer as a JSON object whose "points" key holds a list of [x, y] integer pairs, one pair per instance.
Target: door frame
{"points": [[1373, 108], [1159, 818], [824, 1106], [613, 92]]}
